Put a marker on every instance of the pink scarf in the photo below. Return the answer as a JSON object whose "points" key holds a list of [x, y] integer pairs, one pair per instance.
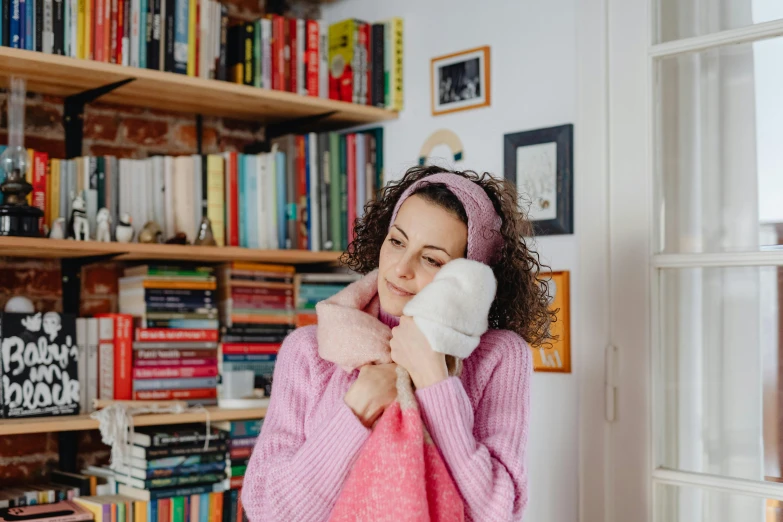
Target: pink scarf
{"points": [[399, 475]]}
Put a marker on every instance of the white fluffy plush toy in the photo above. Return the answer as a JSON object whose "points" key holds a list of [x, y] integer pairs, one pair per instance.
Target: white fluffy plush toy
{"points": [[103, 228]]}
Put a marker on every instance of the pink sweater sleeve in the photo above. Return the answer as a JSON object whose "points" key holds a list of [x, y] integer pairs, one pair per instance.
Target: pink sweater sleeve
{"points": [[485, 450], [289, 477]]}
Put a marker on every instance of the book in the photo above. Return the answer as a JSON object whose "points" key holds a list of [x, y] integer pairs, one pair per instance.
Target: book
{"points": [[39, 365]]}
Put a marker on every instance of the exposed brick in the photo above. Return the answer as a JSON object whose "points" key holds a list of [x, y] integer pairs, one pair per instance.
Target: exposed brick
{"points": [[56, 100], [38, 116], [113, 108], [231, 143], [16, 445], [186, 138], [145, 132], [111, 150], [54, 147], [101, 279], [90, 306], [101, 126], [250, 127]]}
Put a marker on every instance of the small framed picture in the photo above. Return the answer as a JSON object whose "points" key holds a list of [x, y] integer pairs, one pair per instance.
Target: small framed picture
{"points": [[556, 355], [460, 81], [540, 163]]}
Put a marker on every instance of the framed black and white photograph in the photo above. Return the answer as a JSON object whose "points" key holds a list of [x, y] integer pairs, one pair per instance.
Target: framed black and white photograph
{"points": [[460, 81], [540, 163]]}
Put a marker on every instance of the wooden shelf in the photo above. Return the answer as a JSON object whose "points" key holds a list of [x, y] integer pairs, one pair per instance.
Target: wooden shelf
{"points": [[65, 76], [65, 249], [84, 422]]}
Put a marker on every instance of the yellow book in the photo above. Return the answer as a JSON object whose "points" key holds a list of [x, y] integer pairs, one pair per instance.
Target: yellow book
{"points": [[94, 506], [80, 28], [192, 6], [54, 205], [262, 267], [343, 61], [88, 30], [395, 100], [215, 197]]}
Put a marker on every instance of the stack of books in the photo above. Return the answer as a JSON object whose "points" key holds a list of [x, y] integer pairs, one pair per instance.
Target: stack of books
{"points": [[112, 508], [241, 436], [175, 342], [257, 312], [170, 465], [310, 289]]}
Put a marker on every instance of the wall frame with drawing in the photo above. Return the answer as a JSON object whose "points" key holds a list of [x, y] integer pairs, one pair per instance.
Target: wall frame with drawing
{"points": [[540, 163], [460, 81]]}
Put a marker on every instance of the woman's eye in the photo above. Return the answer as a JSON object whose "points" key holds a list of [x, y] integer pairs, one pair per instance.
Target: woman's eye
{"points": [[395, 242], [433, 262]]}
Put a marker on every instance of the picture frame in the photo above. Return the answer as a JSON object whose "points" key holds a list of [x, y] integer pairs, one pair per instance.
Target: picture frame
{"points": [[540, 164], [460, 81], [555, 356]]}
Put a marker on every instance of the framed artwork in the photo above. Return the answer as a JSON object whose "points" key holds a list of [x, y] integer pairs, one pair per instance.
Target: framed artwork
{"points": [[540, 163], [460, 81], [556, 355]]}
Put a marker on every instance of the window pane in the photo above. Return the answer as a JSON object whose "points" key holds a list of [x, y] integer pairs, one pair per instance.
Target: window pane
{"points": [[719, 377], [687, 18], [692, 504], [719, 156]]}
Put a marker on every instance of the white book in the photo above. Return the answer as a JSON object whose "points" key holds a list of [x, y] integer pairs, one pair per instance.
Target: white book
{"points": [[215, 30], [323, 59], [134, 32], [74, 37], [158, 186], [106, 357], [122, 179], [266, 52], [183, 196], [91, 383], [141, 194], [270, 188], [197, 193], [81, 346], [168, 196], [313, 210], [361, 173], [301, 46]]}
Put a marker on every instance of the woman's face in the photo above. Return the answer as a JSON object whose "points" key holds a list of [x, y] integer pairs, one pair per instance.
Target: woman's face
{"points": [[423, 238]]}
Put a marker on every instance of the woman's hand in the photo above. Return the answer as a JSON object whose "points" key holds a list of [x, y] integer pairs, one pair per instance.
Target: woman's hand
{"points": [[373, 390], [411, 350]]}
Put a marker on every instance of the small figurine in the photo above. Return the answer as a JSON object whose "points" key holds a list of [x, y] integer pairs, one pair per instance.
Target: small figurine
{"points": [[58, 229], [205, 236], [19, 304], [179, 239], [151, 233], [103, 229], [124, 230], [79, 227]]}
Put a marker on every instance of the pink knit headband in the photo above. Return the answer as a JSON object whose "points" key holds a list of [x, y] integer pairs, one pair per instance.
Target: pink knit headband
{"points": [[484, 238]]}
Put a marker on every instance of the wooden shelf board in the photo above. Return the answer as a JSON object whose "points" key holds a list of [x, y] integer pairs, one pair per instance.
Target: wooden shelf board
{"points": [[84, 422], [63, 76], [64, 248]]}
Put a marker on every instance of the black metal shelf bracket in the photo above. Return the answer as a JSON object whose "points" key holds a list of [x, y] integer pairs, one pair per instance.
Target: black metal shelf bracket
{"points": [[73, 115], [71, 280], [199, 134]]}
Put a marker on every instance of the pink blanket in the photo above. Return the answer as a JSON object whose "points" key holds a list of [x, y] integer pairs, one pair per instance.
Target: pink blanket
{"points": [[399, 475]]}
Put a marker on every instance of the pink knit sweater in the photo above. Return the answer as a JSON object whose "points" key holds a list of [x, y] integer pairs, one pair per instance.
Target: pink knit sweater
{"points": [[311, 438]]}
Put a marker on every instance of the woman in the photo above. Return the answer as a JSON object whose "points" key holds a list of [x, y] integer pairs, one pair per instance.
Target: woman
{"points": [[320, 415]]}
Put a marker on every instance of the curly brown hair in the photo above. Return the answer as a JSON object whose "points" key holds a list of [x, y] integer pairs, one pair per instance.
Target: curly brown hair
{"points": [[522, 303]]}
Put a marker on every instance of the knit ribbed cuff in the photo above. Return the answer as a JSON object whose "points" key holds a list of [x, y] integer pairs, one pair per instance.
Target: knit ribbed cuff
{"points": [[448, 415], [327, 457]]}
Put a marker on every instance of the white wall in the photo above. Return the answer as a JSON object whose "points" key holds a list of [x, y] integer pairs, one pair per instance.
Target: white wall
{"points": [[533, 82]]}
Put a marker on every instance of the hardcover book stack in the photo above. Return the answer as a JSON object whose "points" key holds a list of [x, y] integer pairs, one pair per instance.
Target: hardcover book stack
{"points": [[175, 346], [257, 312], [310, 289], [241, 436], [179, 468]]}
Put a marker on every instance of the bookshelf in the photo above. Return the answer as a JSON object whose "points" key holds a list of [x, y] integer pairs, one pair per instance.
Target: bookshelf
{"points": [[65, 76], [69, 249], [84, 422]]}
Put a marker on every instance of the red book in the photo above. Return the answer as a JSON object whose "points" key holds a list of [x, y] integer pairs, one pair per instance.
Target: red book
{"points": [[190, 362], [40, 164], [198, 37], [282, 302], [107, 30], [294, 57], [350, 145], [312, 57], [241, 453], [174, 353], [279, 70], [250, 348], [114, 44], [175, 334], [123, 355], [236, 482], [364, 41], [233, 195], [98, 16], [121, 28], [170, 395], [174, 372], [301, 192]]}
